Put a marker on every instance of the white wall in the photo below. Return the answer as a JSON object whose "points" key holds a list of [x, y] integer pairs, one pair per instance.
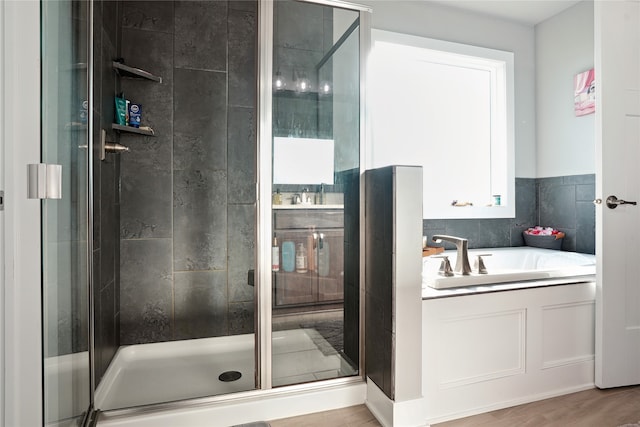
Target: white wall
{"points": [[445, 23], [564, 48]]}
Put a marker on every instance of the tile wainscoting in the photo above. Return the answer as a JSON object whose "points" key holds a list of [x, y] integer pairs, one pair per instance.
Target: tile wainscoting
{"points": [[564, 202]]}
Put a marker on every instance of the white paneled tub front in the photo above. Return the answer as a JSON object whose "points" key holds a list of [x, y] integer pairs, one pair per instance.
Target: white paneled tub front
{"points": [[486, 351]]}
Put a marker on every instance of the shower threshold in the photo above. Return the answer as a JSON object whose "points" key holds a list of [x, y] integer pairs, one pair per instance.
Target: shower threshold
{"points": [[145, 374]]}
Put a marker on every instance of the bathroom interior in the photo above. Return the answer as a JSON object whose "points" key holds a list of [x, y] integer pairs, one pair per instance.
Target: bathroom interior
{"points": [[180, 221]]}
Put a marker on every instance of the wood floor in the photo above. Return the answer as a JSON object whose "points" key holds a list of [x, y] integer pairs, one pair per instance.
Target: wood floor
{"points": [[590, 408]]}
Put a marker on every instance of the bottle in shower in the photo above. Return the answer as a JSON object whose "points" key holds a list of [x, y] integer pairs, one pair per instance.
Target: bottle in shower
{"points": [[301, 259], [275, 255]]}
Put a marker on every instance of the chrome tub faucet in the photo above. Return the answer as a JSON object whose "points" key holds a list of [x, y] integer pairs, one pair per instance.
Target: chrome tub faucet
{"points": [[462, 247]]}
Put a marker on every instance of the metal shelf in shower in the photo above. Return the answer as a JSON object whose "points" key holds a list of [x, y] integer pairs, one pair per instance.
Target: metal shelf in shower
{"points": [[127, 71]]}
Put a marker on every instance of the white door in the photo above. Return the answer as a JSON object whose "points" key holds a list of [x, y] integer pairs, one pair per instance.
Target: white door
{"points": [[617, 60]]}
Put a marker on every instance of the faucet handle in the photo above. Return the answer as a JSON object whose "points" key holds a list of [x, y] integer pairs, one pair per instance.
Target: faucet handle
{"points": [[479, 264], [445, 266]]}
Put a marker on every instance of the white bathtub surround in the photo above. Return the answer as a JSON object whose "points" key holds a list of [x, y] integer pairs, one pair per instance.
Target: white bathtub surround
{"points": [[511, 265], [495, 350], [145, 374]]}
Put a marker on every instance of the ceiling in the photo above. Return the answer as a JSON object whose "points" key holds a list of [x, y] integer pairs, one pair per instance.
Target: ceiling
{"points": [[529, 12]]}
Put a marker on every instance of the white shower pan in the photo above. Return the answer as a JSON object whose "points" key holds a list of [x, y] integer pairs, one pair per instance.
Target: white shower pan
{"points": [[145, 374]]}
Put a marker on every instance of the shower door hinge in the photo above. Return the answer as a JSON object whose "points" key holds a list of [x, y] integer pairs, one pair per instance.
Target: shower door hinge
{"points": [[1, 200], [44, 181]]}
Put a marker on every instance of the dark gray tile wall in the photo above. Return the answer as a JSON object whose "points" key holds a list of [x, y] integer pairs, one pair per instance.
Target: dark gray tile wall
{"points": [[351, 181], [188, 194], [564, 203], [106, 202], [378, 270]]}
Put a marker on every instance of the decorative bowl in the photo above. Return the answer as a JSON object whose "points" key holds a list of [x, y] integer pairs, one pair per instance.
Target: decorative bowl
{"points": [[544, 241]]}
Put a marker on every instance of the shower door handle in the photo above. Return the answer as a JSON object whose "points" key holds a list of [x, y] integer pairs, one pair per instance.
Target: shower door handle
{"points": [[44, 181], [613, 202], [251, 280]]}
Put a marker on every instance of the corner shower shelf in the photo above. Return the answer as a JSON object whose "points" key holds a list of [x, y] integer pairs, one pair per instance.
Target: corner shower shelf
{"points": [[127, 71], [131, 129]]}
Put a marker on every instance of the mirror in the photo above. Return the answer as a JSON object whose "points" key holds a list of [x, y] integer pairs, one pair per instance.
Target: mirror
{"points": [[288, 167], [449, 108]]}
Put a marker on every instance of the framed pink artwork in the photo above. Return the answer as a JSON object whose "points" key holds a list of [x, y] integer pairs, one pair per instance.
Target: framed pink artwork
{"points": [[584, 93]]}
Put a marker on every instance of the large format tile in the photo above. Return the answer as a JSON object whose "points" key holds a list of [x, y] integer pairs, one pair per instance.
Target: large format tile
{"points": [[110, 18], [156, 57], [201, 35], [146, 203], [146, 168], [109, 238], [585, 227], [297, 25], [156, 98], [246, 5], [148, 15], [200, 120], [242, 248], [146, 291], [242, 58], [108, 342], [557, 205], [467, 229], [200, 304], [107, 85], [526, 202], [494, 233], [200, 220], [241, 318], [242, 155]]}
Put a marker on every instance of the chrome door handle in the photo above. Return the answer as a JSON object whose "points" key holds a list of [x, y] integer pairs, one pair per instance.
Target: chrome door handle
{"points": [[613, 202]]}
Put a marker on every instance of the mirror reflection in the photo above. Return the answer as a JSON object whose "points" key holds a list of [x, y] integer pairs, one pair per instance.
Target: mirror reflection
{"points": [[316, 175]]}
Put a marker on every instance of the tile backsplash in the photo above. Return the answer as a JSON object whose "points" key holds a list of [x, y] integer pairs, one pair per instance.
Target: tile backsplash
{"points": [[564, 202]]}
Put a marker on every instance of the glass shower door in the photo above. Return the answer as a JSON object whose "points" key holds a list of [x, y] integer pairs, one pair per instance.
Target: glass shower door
{"points": [[67, 384], [316, 184]]}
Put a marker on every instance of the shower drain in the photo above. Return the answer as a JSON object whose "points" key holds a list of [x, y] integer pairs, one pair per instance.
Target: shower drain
{"points": [[229, 376]]}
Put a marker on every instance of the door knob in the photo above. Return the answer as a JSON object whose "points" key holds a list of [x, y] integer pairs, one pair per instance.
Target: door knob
{"points": [[613, 202]]}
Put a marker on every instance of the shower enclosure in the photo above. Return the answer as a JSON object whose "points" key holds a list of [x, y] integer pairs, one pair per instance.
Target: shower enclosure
{"points": [[216, 248]]}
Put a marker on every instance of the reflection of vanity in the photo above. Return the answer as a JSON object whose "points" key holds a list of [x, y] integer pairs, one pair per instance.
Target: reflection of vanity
{"points": [[323, 283]]}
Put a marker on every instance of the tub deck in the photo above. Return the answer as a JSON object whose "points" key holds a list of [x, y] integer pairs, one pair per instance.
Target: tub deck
{"points": [[518, 268]]}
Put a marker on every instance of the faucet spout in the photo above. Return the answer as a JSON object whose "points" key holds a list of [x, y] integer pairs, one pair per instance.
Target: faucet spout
{"points": [[462, 247]]}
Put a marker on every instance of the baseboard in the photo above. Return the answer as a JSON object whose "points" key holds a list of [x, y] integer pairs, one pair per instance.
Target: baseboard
{"points": [[510, 403], [408, 413]]}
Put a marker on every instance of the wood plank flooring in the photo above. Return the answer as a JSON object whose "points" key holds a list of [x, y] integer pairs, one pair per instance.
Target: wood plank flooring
{"points": [[590, 408], [354, 416]]}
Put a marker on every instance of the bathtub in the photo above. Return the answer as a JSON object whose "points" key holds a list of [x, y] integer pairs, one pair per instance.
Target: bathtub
{"points": [[508, 265]]}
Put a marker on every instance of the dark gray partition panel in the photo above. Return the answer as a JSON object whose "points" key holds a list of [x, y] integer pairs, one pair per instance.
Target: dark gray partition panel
{"points": [[378, 280], [393, 284]]}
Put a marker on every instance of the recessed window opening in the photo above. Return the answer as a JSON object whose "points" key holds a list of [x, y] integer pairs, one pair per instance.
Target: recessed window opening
{"points": [[447, 107]]}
